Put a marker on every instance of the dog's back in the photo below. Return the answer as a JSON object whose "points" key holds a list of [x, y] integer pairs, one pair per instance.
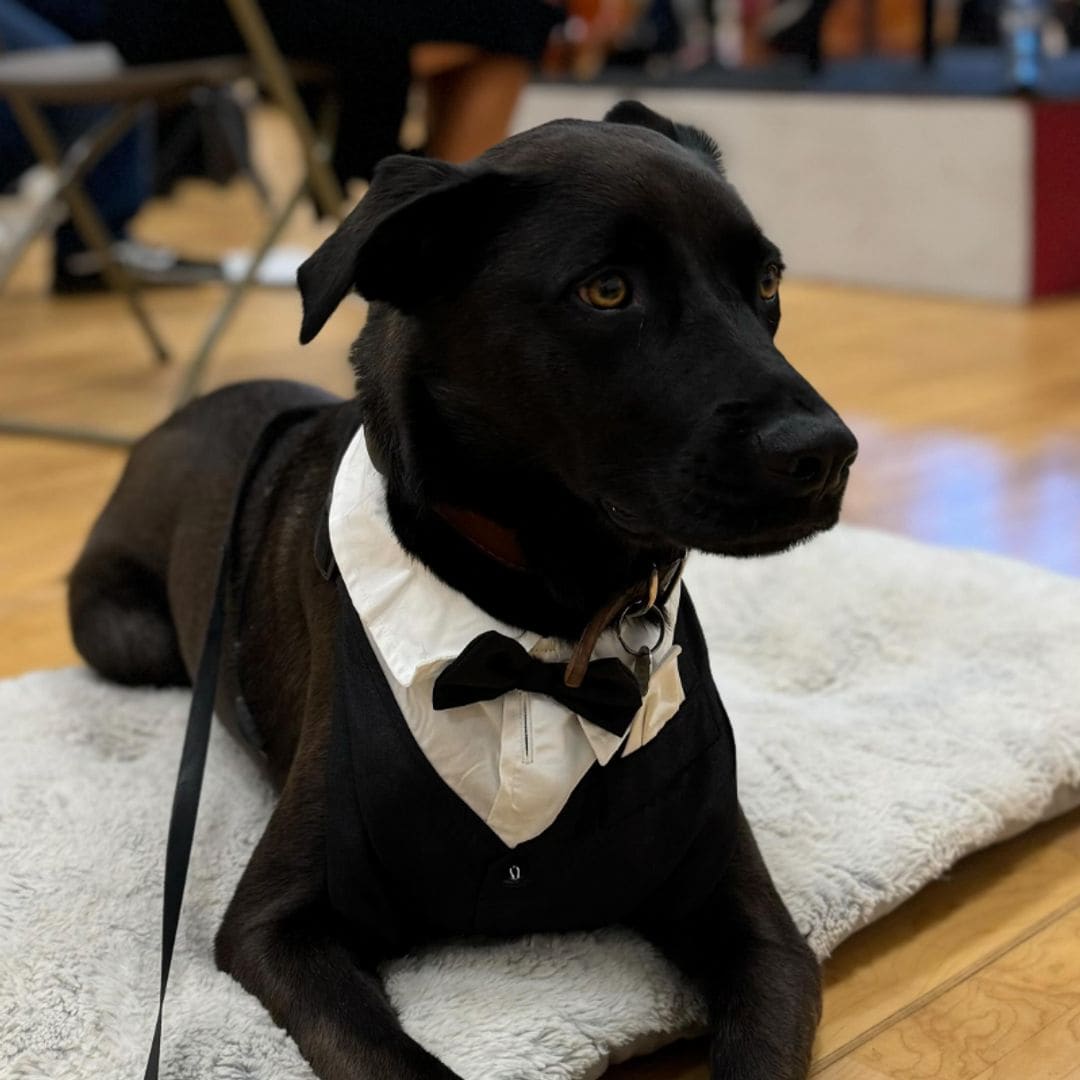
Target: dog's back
{"points": [[151, 546]]}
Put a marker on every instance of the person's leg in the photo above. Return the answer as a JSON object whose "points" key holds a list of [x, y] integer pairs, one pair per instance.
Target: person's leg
{"points": [[794, 27], [476, 53], [118, 186], [79, 19], [476, 56], [20, 28], [472, 95], [119, 183], [15, 155]]}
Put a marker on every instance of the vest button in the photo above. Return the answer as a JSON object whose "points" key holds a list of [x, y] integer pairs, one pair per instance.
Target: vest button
{"points": [[514, 875]]}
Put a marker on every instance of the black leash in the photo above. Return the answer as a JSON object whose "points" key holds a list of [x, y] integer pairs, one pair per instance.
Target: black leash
{"points": [[185, 808]]}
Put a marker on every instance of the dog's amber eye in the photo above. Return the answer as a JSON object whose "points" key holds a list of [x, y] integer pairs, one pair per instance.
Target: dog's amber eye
{"points": [[606, 291], [769, 285]]}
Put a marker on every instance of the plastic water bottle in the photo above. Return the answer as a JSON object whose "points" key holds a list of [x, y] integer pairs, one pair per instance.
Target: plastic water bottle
{"points": [[1021, 30]]}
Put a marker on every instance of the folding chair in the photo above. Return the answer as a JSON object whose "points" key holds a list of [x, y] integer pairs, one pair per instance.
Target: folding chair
{"points": [[34, 79], [96, 74]]}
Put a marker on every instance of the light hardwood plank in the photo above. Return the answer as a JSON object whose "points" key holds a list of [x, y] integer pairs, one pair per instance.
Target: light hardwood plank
{"points": [[1052, 1054], [1017, 1019], [988, 902]]}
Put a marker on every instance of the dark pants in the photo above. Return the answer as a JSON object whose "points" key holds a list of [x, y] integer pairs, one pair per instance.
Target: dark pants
{"points": [[120, 183], [364, 42]]}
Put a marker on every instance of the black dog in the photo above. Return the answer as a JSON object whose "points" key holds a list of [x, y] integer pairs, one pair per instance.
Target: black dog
{"points": [[567, 379]]}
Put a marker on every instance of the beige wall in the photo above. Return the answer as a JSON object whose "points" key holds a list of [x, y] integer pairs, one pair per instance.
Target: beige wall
{"points": [[927, 194]]}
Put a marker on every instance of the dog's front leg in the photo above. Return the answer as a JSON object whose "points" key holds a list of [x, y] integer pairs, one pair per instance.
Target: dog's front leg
{"points": [[761, 982], [282, 943]]}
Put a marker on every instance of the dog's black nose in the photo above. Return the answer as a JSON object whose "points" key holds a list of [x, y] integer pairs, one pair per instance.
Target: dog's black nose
{"points": [[807, 455]]}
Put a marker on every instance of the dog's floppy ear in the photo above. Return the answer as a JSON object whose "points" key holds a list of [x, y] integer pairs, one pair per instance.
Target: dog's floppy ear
{"points": [[694, 139], [397, 241]]}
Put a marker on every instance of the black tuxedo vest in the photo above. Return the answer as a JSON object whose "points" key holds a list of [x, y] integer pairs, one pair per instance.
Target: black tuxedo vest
{"points": [[643, 837]]}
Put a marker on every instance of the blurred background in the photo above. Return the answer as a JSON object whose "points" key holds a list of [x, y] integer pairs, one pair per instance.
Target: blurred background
{"points": [[164, 169]]}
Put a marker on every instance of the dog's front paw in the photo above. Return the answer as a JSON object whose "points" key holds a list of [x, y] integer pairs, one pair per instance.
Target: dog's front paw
{"points": [[411, 1062], [433, 1070], [762, 1060], [770, 1035]]}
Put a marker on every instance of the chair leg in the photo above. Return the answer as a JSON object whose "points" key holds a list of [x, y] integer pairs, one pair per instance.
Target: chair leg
{"points": [[197, 367], [326, 129], [87, 221], [69, 433], [93, 231], [275, 73], [78, 160], [47, 215]]}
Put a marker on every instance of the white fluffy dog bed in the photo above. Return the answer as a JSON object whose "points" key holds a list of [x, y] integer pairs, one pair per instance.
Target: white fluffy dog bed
{"points": [[896, 706]]}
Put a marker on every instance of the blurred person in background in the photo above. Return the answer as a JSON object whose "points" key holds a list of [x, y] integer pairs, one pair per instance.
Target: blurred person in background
{"points": [[118, 185], [795, 26], [474, 55]]}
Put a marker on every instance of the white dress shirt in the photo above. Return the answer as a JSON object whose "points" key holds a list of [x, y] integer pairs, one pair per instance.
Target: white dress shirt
{"points": [[514, 761]]}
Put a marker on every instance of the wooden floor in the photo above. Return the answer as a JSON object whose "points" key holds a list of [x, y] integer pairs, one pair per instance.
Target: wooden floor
{"points": [[969, 417]]}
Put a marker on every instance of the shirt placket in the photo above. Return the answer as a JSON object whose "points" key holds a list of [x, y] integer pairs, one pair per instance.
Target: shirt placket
{"points": [[514, 756]]}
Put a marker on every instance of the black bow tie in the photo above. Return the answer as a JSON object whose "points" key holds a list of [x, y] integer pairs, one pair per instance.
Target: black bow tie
{"points": [[491, 665]]}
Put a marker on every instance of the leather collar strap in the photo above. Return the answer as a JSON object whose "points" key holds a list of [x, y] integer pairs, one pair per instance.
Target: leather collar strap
{"points": [[501, 544], [185, 808], [494, 540]]}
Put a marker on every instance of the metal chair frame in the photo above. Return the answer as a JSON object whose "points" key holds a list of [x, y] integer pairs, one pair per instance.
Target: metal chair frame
{"points": [[273, 72]]}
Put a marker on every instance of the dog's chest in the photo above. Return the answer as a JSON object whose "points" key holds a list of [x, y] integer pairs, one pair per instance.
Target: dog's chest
{"points": [[514, 757], [406, 853]]}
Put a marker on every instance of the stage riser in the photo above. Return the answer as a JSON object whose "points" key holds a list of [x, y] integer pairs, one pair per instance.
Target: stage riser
{"points": [[939, 195]]}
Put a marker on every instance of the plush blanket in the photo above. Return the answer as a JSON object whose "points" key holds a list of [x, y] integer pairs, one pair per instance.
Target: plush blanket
{"points": [[896, 706]]}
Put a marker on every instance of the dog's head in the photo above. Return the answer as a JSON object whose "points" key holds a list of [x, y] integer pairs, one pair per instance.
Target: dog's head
{"points": [[588, 308]]}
